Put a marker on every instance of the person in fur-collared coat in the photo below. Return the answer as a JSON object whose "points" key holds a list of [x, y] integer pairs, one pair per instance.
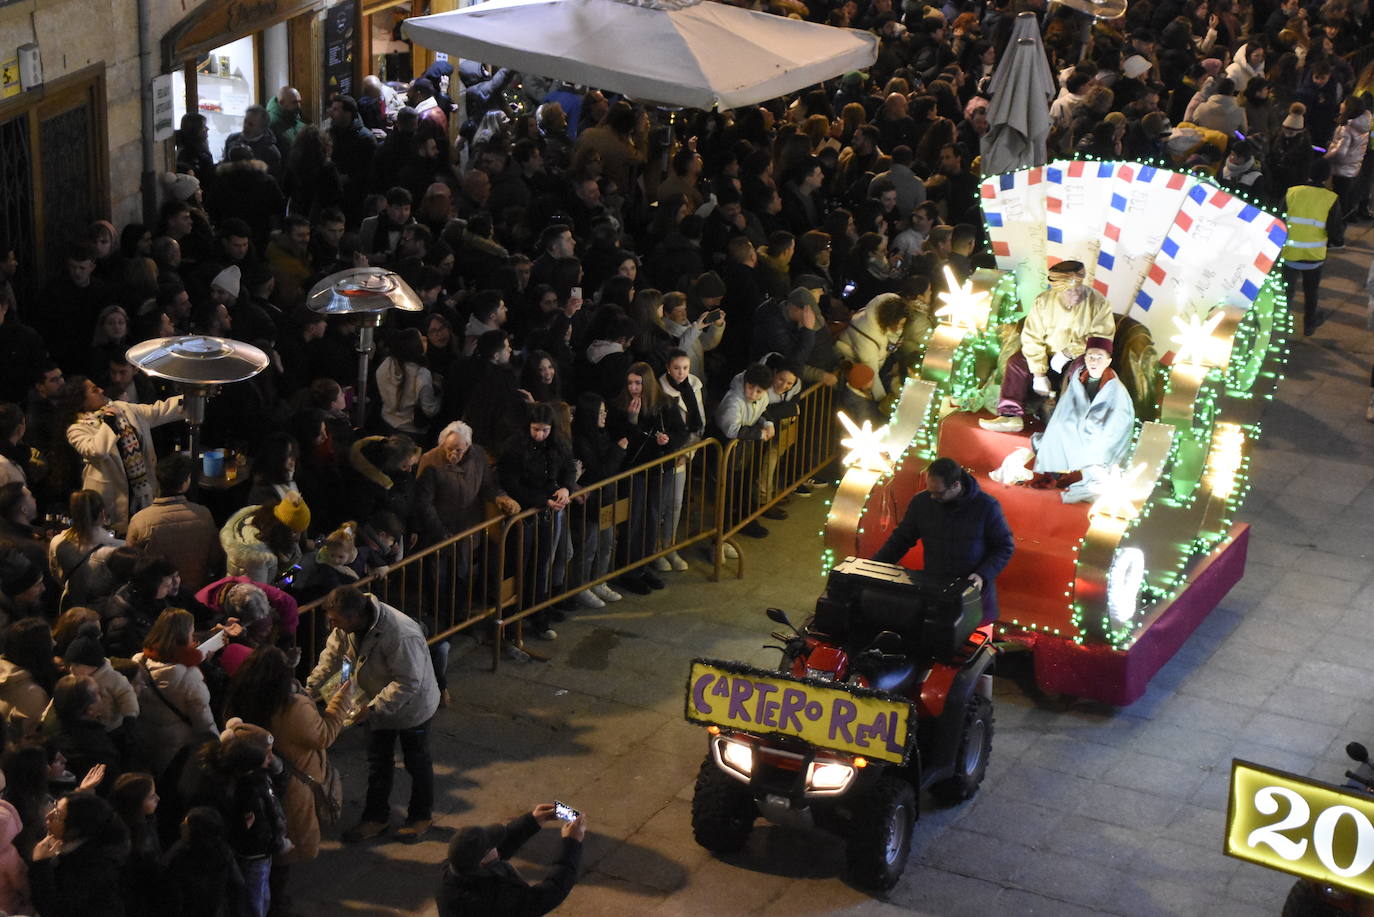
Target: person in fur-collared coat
{"points": [[262, 542], [244, 188]]}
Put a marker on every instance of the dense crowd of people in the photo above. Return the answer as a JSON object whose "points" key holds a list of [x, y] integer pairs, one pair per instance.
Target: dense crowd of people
{"points": [[600, 290]]}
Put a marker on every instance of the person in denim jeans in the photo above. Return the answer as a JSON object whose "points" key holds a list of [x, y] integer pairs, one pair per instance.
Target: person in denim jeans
{"points": [[397, 696]]}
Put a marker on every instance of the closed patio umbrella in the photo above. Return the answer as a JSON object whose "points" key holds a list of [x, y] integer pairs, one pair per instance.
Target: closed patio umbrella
{"points": [[1019, 115], [689, 53]]}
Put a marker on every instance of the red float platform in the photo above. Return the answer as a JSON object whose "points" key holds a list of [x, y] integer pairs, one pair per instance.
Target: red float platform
{"points": [[1120, 677], [1033, 591]]}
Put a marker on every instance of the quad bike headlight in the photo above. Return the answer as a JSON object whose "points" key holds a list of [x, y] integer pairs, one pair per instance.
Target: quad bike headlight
{"points": [[828, 777], [734, 757]]}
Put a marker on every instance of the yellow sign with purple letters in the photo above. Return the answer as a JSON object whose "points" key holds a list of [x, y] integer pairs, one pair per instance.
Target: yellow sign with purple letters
{"points": [[837, 717]]}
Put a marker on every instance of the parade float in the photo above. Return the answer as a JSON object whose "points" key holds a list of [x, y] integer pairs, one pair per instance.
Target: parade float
{"points": [[1102, 593]]}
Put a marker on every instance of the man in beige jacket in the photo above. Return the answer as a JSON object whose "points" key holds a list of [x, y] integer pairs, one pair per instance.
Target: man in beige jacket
{"points": [[1053, 339]]}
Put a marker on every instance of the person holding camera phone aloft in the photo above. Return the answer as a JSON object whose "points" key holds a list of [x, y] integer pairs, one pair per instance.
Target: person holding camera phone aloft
{"points": [[479, 879]]}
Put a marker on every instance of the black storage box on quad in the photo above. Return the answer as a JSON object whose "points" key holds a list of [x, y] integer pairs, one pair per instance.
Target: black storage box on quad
{"points": [[933, 615]]}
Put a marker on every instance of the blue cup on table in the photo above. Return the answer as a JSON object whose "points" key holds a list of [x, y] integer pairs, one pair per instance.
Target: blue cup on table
{"points": [[212, 463]]}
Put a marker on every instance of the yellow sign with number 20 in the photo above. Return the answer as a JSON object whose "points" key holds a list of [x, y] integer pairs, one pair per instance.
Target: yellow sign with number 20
{"points": [[1297, 825]]}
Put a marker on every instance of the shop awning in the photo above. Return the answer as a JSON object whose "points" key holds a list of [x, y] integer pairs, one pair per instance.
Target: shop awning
{"points": [[673, 52]]}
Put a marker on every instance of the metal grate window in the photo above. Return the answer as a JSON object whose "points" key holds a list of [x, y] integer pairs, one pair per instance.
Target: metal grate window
{"points": [[68, 204], [16, 202]]}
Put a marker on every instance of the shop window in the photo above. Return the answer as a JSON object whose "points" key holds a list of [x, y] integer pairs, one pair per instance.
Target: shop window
{"points": [[226, 83]]}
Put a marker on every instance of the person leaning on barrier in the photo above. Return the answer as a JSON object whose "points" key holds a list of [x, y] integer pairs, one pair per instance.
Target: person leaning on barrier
{"points": [[479, 879], [742, 415], [455, 481]]}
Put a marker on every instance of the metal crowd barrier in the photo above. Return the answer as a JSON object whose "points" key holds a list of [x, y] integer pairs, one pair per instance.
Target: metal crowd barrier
{"points": [[755, 475], [553, 556], [447, 587], [508, 569]]}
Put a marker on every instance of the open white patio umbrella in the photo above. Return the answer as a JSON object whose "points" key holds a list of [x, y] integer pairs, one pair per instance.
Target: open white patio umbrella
{"points": [[1019, 114], [688, 53]]}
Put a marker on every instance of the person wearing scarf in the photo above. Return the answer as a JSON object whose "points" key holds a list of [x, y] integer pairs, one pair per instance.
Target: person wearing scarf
{"points": [[115, 440], [1090, 429], [1241, 172], [683, 391]]}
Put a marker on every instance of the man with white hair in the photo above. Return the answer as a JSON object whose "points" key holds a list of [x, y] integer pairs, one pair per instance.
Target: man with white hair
{"points": [[454, 482]]}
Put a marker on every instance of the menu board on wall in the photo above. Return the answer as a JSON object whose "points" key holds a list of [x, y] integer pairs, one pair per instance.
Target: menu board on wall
{"points": [[339, 47]]}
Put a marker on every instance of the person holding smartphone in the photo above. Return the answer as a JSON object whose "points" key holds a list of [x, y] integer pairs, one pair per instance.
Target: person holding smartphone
{"points": [[479, 879]]}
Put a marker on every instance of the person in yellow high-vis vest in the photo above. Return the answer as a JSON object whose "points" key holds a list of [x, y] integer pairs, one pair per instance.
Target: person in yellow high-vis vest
{"points": [[1314, 222]]}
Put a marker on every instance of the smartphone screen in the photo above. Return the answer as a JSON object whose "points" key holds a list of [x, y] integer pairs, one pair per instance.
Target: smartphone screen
{"points": [[575, 293], [565, 812], [346, 670]]}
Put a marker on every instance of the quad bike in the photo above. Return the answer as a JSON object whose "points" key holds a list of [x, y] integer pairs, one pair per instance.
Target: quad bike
{"points": [[883, 641], [1311, 898]]}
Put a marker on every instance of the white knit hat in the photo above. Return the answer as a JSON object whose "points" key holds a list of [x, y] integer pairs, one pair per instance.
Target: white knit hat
{"points": [[228, 280], [180, 185]]}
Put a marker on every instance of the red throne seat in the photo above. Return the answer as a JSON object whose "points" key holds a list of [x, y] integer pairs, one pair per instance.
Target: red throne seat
{"points": [[1031, 590]]}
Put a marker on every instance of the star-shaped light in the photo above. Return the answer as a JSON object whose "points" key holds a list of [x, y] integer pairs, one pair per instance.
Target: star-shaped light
{"points": [[1117, 493], [867, 447], [962, 307], [1194, 338]]}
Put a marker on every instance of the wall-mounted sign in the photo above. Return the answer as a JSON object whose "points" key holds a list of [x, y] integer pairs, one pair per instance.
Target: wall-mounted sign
{"points": [[164, 107], [9, 75], [1302, 826], [339, 43]]}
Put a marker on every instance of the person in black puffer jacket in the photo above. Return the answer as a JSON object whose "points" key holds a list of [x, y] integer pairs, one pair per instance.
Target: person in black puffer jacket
{"points": [[383, 476], [76, 868], [641, 414], [600, 456], [537, 471], [237, 775]]}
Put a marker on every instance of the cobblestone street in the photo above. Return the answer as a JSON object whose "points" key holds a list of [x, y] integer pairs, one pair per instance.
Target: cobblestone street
{"points": [[1085, 810]]}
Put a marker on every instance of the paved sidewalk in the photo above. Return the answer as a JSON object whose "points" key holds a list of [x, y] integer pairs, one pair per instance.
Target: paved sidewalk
{"points": [[1085, 810]]}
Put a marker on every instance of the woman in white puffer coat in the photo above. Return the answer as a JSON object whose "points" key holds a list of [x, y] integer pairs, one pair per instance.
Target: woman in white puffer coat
{"points": [[873, 335], [1347, 152]]}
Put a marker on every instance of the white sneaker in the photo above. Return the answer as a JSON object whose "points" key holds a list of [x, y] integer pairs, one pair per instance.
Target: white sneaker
{"points": [[1007, 423], [1369, 411], [661, 565], [606, 593], [514, 653], [730, 552], [588, 599], [547, 633], [676, 561]]}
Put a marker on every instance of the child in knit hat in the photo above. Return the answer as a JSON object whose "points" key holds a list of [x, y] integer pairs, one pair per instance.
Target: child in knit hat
{"points": [[86, 657], [332, 563]]}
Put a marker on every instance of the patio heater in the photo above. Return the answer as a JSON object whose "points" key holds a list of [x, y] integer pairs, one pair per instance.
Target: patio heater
{"points": [[1096, 9], [198, 364], [367, 292]]}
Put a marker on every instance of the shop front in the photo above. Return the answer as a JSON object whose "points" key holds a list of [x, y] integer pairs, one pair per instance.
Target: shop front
{"points": [[384, 51], [228, 54]]}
